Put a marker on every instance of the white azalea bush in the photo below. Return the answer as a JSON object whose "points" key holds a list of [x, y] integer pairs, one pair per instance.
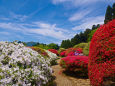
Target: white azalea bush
{"points": [[21, 66], [53, 57]]}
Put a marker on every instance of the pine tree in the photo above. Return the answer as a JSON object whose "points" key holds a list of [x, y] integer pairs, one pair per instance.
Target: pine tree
{"points": [[113, 11], [75, 40], [66, 44], [108, 15]]}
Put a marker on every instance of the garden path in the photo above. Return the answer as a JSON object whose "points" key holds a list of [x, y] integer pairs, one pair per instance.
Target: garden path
{"points": [[63, 80]]}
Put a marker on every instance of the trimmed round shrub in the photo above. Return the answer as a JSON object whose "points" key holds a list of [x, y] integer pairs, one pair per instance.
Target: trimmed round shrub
{"points": [[72, 63], [22, 66], [102, 56], [81, 45]]}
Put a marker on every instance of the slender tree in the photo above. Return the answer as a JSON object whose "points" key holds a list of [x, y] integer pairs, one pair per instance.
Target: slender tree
{"points": [[108, 15], [113, 11]]}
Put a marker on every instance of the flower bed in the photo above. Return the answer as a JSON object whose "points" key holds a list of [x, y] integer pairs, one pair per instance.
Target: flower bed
{"points": [[22, 66], [102, 55]]}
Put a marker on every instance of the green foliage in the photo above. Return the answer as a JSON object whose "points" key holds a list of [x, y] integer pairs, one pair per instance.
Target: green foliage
{"points": [[91, 34], [75, 40], [61, 50], [113, 11], [108, 15], [66, 44], [84, 46], [53, 46], [86, 49], [82, 37], [43, 46], [81, 45]]}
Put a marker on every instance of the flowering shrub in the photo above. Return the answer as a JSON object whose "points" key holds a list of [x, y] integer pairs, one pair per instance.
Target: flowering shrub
{"points": [[53, 51], [73, 62], [21, 66], [72, 51], [40, 51], [53, 57], [102, 54], [62, 54]]}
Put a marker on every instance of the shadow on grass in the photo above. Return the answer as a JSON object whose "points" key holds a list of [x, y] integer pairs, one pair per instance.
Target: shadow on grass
{"points": [[76, 74]]}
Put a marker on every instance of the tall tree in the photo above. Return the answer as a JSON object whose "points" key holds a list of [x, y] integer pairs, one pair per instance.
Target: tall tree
{"points": [[113, 11], [75, 40], [93, 27], [108, 15], [66, 44]]}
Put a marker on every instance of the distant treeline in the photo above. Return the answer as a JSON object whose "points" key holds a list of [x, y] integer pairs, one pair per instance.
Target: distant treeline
{"points": [[41, 45], [79, 38]]}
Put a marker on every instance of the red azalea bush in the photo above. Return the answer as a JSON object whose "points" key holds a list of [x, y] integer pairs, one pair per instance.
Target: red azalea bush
{"points": [[71, 51], [62, 53], [102, 55], [73, 62], [53, 51]]}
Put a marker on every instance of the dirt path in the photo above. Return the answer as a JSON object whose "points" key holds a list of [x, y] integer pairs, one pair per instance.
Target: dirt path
{"points": [[63, 80]]}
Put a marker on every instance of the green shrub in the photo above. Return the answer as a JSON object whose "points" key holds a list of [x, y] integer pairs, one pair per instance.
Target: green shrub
{"points": [[91, 34], [81, 45], [61, 50], [86, 49]]}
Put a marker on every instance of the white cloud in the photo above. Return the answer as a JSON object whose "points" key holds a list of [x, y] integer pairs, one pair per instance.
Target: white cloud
{"points": [[10, 26], [18, 16], [88, 22], [79, 15], [77, 3], [39, 28], [49, 30], [5, 33]]}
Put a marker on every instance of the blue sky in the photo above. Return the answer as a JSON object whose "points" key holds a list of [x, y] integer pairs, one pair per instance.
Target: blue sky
{"points": [[48, 21]]}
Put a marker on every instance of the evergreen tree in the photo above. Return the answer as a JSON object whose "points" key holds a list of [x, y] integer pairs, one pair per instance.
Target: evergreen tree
{"points": [[75, 40], [93, 27], [108, 15], [86, 34], [66, 44], [82, 37], [113, 11]]}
